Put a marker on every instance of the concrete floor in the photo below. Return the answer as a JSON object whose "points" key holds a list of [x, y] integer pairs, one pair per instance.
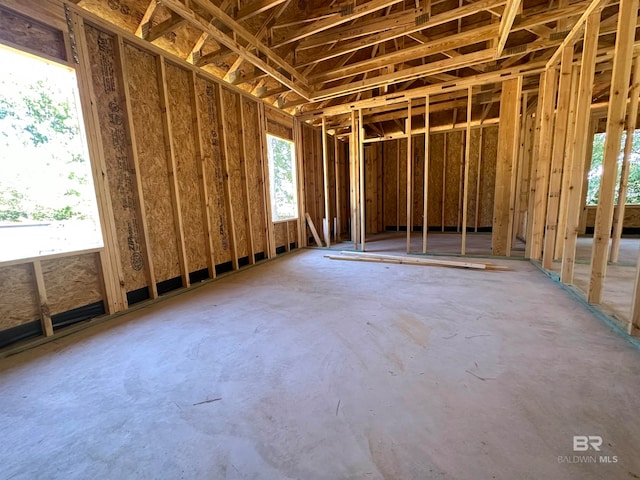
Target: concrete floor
{"points": [[308, 368], [619, 281], [437, 243]]}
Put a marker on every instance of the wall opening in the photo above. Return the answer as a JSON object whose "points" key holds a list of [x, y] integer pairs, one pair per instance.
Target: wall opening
{"points": [[282, 178], [47, 198]]}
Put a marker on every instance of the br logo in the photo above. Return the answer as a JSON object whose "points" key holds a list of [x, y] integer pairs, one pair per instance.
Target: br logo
{"points": [[582, 443]]}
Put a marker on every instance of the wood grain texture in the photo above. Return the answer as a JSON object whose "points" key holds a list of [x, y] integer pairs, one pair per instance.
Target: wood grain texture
{"points": [[106, 76], [186, 166], [212, 155], [20, 31], [488, 175], [147, 119], [455, 149], [72, 282], [18, 299], [233, 127], [253, 158], [436, 160]]}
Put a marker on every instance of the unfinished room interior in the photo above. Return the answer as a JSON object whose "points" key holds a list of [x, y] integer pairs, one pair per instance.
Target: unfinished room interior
{"points": [[296, 239]]}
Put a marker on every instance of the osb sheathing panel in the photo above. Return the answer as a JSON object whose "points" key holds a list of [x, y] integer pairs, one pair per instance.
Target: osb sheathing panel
{"points": [[24, 32], [371, 187], [436, 162], [280, 233], [474, 155], [214, 167], [106, 76], [72, 282], [293, 231], [418, 179], [488, 175], [455, 150], [402, 175], [314, 187], [18, 300], [389, 182], [253, 158], [279, 124], [183, 133], [233, 128], [148, 127], [631, 216]]}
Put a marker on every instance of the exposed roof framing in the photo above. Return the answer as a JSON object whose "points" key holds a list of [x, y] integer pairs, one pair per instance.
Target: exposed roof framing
{"points": [[325, 59]]}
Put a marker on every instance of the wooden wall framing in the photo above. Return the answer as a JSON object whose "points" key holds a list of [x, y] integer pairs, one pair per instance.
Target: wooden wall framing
{"points": [[180, 169]]}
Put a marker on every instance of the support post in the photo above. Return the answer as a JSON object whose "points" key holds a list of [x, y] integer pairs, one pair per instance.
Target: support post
{"points": [[507, 150], [615, 123], [409, 176], [425, 210], [583, 109], [465, 186], [557, 157], [632, 115], [326, 227]]}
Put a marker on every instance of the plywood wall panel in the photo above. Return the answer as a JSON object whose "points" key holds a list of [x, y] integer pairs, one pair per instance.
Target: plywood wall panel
{"points": [[235, 161], [474, 157], [418, 180], [253, 157], [72, 282], [18, 300], [389, 182], [106, 76], [152, 157], [191, 204], [402, 176], [455, 150], [214, 166], [488, 175], [280, 233], [436, 162]]}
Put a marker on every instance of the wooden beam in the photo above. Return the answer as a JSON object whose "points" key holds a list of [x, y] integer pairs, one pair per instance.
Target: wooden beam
{"points": [[353, 179], [425, 180], [255, 8], [264, 171], [410, 73], [43, 302], [314, 232], [453, 85], [327, 23], [387, 35], [163, 28], [171, 171], [574, 34], [507, 152], [220, 37], [542, 154], [245, 183], [632, 115], [147, 18], [557, 157], [336, 159], [580, 145], [432, 47], [615, 124], [361, 178], [467, 160], [409, 175], [566, 164], [506, 22], [325, 176]]}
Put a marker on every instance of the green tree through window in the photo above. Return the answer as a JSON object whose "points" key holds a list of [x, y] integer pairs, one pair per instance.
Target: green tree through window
{"points": [[282, 178], [595, 172], [45, 175]]}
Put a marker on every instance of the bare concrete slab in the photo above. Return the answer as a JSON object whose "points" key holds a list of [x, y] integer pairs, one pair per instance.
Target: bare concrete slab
{"points": [[307, 368]]}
